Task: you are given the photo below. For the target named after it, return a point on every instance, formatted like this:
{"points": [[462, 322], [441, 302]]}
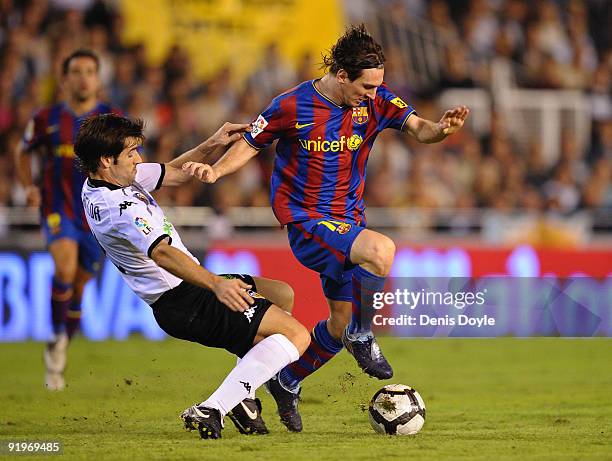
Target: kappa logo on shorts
{"points": [[336, 226], [250, 312]]}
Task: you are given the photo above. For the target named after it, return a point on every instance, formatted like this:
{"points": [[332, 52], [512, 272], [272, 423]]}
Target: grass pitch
{"points": [[505, 398]]}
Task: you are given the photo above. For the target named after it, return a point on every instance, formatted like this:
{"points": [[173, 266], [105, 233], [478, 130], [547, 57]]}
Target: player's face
{"points": [[124, 170], [82, 81], [363, 87]]}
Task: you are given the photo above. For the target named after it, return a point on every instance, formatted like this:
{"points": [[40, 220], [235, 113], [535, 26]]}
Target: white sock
{"points": [[252, 393], [260, 364]]}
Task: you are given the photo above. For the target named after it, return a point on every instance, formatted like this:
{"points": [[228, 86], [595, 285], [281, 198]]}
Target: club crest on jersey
{"points": [[53, 221], [258, 126], [143, 225], [343, 228], [142, 197], [354, 142], [360, 115], [336, 226], [254, 294], [397, 101]]}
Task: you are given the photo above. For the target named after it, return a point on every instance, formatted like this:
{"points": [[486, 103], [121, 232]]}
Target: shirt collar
{"points": [[101, 183]]}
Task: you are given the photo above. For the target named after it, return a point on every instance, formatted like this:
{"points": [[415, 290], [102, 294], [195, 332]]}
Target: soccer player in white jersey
{"points": [[239, 313]]}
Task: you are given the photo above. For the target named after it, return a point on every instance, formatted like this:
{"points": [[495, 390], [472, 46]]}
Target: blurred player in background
{"points": [[325, 130], [50, 133], [188, 301]]}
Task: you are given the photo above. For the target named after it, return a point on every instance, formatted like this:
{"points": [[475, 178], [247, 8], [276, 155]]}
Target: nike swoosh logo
{"points": [[303, 125], [199, 413], [250, 414]]}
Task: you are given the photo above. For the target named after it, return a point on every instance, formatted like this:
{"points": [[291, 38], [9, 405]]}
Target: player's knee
{"points": [[299, 336], [287, 296], [65, 274], [380, 255]]}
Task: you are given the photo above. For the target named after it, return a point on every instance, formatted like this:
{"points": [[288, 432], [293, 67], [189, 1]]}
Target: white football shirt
{"points": [[128, 223]]}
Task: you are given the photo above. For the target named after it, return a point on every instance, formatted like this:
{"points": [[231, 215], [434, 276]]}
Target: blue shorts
{"points": [[55, 227], [324, 245]]}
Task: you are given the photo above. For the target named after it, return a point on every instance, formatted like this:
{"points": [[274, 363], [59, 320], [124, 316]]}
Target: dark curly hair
{"points": [[354, 51], [104, 136]]}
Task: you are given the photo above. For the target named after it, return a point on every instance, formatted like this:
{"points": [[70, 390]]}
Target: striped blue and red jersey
{"points": [[322, 150], [52, 132]]}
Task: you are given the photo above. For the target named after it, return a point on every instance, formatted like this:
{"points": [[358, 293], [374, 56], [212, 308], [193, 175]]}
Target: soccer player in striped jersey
{"points": [[325, 130], [51, 133]]}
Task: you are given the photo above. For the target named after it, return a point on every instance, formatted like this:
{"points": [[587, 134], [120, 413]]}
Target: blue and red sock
{"points": [[323, 347], [73, 319], [61, 300], [365, 284]]}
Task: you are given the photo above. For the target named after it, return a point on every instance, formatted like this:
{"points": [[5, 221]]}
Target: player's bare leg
{"points": [[65, 258], [373, 253], [278, 292]]}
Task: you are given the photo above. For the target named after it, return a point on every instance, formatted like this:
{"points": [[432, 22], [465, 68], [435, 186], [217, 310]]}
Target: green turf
{"points": [[486, 399]]}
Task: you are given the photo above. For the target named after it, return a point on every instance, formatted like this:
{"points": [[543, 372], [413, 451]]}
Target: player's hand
{"points": [[453, 119], [232, 293], [33, 196], [202, 171], [228, 133]]}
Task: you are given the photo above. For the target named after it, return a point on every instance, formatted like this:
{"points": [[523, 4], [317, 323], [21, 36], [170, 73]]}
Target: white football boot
{"points": [[55, 362]]}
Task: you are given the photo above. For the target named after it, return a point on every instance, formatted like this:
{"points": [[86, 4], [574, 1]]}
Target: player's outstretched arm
{"points": [[24, 175], [235, 157], [224, 136], [231, 292], [426, 131]]}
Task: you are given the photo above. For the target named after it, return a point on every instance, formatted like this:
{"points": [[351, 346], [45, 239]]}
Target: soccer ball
{"points": [[397, 409]]}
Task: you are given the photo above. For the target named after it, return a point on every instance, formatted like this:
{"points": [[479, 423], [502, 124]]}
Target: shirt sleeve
{"points": [[267, 127], [134, 223], [150, 175], [392, 111], [34, 133]]}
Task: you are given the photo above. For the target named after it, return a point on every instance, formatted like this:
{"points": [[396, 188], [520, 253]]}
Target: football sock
{"points": [[258, 365], [323, 346], [61, 299], [73, 320], [365, 284], [252, 393]]}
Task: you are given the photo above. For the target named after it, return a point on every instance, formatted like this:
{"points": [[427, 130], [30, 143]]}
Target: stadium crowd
{"points": [[562, 44]]}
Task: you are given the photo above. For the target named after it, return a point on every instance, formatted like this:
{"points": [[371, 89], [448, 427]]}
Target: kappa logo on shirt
{"points": [[258, 126], [124, 206]]}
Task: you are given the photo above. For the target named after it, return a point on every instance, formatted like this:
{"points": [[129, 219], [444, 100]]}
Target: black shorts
{"points": [[195, 314]]}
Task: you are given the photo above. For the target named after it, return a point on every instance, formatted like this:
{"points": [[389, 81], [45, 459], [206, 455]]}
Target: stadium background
{"points": [[524, 190]]}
